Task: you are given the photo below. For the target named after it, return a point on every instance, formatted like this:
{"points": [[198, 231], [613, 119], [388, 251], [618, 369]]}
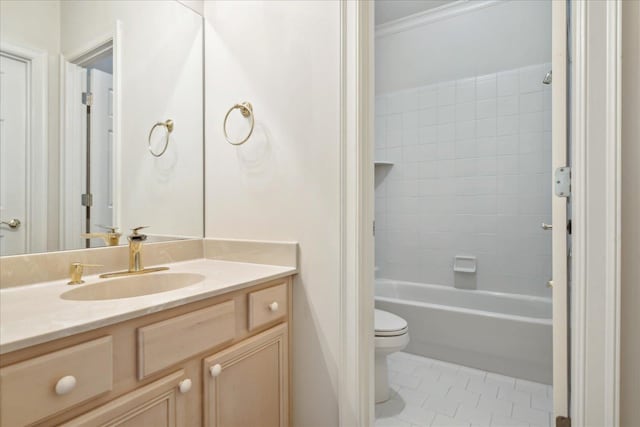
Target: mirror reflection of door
{"points": [[89, 98], [14, 103]]}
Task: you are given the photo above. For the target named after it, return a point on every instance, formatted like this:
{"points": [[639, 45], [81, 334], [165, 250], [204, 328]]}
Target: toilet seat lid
{"points": [[388, 324]]}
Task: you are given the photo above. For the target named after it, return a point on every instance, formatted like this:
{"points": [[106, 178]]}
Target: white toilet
{"points": [[392, 334]]}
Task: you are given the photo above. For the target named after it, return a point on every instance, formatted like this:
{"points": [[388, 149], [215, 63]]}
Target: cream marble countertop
{"points": [[35, 314]]}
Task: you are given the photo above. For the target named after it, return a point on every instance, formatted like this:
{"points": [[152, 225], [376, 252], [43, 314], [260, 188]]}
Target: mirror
{"points": [[83, 84]]}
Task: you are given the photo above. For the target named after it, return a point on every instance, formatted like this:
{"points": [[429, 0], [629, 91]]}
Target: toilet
{"points": [[391, 335]]}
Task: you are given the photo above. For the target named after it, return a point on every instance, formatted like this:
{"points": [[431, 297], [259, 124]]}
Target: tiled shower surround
{"points": [[471, 175]]}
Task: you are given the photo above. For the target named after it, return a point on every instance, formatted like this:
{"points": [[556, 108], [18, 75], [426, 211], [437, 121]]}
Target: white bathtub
{"points": [[505, 333]]}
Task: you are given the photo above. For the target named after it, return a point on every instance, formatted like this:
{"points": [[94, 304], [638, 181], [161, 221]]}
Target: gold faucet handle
{"points": [[109, 228], [76, 270], [135, 236]]}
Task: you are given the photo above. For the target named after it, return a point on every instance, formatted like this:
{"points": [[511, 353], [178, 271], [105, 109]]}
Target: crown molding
{"points": [[432, 15]]}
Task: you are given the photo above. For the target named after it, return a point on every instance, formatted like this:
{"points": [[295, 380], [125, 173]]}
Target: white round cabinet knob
{"points": [[215, 370], [65, 385], [185, 385], [273, 306]]}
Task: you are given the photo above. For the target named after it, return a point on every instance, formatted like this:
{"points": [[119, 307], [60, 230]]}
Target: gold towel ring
{"points": [[246, 109], [167, 124]]}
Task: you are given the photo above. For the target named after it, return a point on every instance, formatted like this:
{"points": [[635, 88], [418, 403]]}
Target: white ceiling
{"points": [[390, 10]]}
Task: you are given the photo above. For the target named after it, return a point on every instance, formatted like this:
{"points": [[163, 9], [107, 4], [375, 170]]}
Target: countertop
{"points": [[35, 314]]}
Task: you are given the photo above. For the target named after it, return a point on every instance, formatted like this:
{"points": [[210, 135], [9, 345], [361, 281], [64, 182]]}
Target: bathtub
{"points": [[508, 334]]}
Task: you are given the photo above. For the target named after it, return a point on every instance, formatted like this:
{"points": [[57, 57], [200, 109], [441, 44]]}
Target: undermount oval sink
{"points": [[133, 286]]}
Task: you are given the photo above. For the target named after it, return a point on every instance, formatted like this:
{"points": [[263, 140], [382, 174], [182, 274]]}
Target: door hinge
{"points": [[374, 228], [87, 199], [563, 421], [562, 181], [87, 98]]}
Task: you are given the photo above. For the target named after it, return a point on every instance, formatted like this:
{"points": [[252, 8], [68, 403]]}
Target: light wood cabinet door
{"points": [[159, 404], [247, 385]]}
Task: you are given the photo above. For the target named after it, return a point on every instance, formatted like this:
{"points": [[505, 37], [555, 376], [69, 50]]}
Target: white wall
{"points": [[471, 155], [36, 25], [630, 318], [506, 35], [161, 79], [283, 57]]}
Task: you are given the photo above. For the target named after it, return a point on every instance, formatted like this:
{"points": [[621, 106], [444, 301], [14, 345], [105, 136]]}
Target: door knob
{"points": [[215, 370], [65, 385], [546, 226], [185, 385], [13, 223]]}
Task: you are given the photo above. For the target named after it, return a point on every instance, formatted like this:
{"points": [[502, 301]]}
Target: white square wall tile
{"points": [[486, 146], [465, 90], [446, 114], [508, 83], [410, 120], [530, 78], [486, 108], [532, 122], [446, 132], [446, 93], [465, 130], [466, 167], [508, 105], [507, 125], [531, 102], [428, 134], [486, 87], [428, 97], [465, 112], [486, 127], [428, 117]]}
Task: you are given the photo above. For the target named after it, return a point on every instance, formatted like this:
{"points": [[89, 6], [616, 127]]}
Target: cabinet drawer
{"points": [[267, 305], [166, 343], [42, 386]]}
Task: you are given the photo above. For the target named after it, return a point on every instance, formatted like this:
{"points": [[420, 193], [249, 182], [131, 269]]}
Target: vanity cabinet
{"points": [[247, 384], [221, 361]]}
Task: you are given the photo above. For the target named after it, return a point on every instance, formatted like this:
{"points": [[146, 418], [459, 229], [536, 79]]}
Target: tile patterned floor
{"points": [[427, 392]]}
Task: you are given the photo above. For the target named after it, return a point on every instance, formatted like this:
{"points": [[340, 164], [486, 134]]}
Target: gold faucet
{"points": [[76, 270], [111, 238], [135, 256]]}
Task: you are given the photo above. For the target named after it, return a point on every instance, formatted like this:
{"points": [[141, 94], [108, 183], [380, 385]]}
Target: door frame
{"points": [[68, 160], [596, 190], [595, 151], [37, 152]]}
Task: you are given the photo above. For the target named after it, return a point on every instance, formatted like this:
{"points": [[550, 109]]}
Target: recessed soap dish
{"points": [[464, 264]]}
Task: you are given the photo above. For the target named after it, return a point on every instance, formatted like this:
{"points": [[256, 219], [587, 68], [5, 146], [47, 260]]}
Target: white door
{"points": [[559, 212], [73, 152], [14, 108], [101, 149]]}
